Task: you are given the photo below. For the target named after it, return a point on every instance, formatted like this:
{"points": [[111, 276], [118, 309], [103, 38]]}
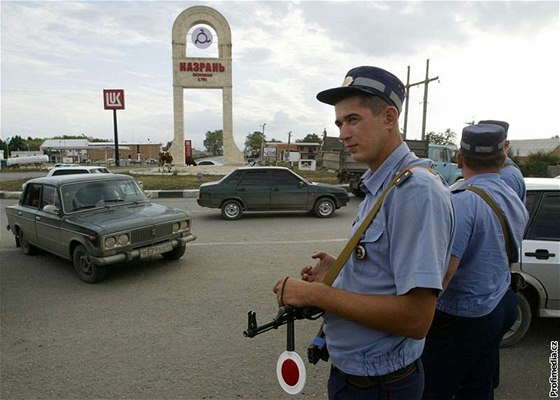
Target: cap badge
{"points": [[348, 81]]}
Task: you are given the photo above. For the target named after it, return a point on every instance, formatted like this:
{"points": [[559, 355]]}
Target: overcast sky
{"points": [[494, 60]]}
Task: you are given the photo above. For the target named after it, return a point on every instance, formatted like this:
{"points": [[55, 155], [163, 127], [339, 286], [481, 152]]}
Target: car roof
{"points": [[86, 167], [263, 168], [542, 184], [77, 178]]}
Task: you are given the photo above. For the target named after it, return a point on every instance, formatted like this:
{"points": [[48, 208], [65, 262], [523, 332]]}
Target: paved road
{"points": [[173, 330]]}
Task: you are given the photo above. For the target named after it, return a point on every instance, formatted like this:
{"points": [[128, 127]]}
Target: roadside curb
{"points": [[9, 195], [166, 194]]}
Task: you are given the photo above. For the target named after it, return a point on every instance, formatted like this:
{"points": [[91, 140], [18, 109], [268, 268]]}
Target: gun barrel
{"points": [[285, 315]]}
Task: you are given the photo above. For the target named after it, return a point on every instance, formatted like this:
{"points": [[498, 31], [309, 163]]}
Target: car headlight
{"points": [[110, 242], [180, 226], [123, 239]]}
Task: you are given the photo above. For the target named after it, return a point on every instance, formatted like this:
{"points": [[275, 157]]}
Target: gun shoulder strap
{"points": [[498, 213], [335, 269]]}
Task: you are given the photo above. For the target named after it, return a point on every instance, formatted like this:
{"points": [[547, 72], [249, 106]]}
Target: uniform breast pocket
{"points": [[369, 252]]}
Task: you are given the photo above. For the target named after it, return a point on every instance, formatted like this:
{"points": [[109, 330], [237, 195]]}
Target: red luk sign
{"points": [[113, 99]]}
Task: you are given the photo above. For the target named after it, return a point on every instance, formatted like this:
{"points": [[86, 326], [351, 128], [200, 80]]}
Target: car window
{"points": [[532, 201], [254, 178], [32, 197], [283, 178], [546, 222], [86, 195], [69, 171], [49, 193], [233, 178]]}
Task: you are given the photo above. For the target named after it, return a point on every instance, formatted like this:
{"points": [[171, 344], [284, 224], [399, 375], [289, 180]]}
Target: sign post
{"points": [[113, 99]]}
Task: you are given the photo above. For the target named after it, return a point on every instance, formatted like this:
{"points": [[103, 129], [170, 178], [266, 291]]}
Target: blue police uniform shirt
{"points": [[511, 174], [407, 245], [483, 275]]}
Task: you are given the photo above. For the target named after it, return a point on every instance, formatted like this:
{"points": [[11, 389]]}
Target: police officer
{"points": [[510, 172], [380, 307], [477, 305]]}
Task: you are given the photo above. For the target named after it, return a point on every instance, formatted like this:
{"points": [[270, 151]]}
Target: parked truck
{"points": [[336, 158]]}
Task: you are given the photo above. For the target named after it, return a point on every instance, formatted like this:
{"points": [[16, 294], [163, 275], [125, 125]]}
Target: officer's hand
{"points": [[318, 272], [291, 292]]}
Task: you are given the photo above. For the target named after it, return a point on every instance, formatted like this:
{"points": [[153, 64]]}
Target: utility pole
{"points": [[263, 142], [425, 82], [289, 136], [406, 101]]}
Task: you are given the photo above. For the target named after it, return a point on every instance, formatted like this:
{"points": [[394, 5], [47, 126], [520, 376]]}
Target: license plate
{"points": [[158, 249]]}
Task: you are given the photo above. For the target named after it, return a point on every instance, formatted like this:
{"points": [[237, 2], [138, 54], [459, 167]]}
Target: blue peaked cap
{"points": [[483, 140], [368, 80], [503, 124]]}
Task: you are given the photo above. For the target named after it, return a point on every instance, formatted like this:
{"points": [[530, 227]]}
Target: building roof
{"points": [[522, 148], [84, 144], [64, 144]]}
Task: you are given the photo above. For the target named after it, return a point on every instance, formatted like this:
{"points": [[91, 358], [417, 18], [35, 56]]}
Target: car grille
{"points": [[151, 233]]}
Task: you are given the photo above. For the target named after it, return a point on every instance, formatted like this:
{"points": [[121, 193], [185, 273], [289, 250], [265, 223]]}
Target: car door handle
{"points": [[37, 218], [541, 254], [275, 189]]}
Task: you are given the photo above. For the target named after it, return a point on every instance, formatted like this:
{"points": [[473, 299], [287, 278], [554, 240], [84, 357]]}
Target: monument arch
{"points": [[202, 73]]}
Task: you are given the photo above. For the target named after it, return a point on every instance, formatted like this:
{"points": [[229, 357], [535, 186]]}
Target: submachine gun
{"points": [[287, 316]]}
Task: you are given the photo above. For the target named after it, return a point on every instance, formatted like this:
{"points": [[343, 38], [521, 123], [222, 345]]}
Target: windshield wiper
{"points": [[84, 207]]}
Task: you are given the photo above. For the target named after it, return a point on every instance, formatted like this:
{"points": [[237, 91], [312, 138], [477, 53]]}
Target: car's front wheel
{"points": [[26, 247], [85, 269], [175, 254], [231, 209], [324, 208], [521, 324]]}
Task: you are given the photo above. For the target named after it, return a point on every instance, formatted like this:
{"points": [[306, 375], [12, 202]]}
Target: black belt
{"points": [[364, 382]]}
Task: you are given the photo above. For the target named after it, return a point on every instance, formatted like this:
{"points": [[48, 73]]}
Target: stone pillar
{"points": [[177, 150]]}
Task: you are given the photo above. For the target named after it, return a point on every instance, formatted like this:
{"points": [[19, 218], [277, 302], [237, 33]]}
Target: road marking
{"points": [[280, 242], [269, 242]]}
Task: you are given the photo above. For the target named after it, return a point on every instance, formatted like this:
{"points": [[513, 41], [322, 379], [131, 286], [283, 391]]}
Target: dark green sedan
{"points": [[96, 220], [270, 189]]}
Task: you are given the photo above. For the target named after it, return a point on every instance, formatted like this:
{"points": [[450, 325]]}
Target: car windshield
{"points": [[94, 194]]}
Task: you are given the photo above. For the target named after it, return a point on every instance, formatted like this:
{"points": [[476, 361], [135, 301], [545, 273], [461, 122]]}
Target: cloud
{"points": [[492, 59]]}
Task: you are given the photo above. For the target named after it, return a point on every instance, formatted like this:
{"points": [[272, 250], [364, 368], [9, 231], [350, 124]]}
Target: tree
{"points": [[537, 164], [214, 142], [311, 138], [447, 137], [253, 141], [17, 143], [4, 146]]}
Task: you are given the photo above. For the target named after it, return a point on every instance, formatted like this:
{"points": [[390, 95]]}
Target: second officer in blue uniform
{"points": [[477, 305]]}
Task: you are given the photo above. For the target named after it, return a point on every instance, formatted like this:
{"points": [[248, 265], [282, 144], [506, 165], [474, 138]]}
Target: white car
{"points": [[539, 258], [78, 169], [208, 162]]}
